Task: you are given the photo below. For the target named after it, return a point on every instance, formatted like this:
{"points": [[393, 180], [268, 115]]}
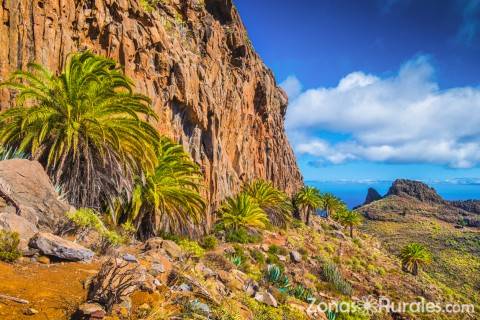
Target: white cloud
{"points": [[404, 118], [292, 87]]}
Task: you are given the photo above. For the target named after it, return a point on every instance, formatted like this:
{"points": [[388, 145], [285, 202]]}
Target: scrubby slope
{"points": [[399, 220], [224, 279]]}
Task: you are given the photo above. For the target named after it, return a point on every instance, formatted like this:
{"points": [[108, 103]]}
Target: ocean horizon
{"points": [[354, 192]]}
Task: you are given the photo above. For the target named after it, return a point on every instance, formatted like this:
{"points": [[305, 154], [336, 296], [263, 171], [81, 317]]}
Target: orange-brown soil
{"points": [[54, 290]]}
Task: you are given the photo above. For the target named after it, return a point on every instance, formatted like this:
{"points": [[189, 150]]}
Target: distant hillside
{"points": [[405, 195], [411, 211]]}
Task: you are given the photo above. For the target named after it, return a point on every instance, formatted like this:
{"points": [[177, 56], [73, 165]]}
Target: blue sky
{"points": [[379, 89]]}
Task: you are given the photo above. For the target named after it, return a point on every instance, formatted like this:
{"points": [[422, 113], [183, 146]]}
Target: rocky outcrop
{"points": [[407, 197], [28, 200], [414, 189], [372, 195], [210, 89]]}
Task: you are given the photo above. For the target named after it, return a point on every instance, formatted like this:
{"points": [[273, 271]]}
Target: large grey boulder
{"points": [[26, 190], [52, 245]]}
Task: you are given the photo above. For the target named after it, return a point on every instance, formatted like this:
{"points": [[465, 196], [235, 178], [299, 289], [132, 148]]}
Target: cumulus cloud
{"points": [[292, 86], [405, 118]]}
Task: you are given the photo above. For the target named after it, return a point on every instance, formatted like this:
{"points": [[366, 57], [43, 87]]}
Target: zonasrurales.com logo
{"points": [[372, 304]]}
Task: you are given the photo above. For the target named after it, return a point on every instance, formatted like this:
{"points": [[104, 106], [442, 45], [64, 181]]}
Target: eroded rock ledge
{"points": [[210, 89]]}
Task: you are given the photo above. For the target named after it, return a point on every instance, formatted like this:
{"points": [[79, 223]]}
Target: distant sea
{"points": [[353, 192]]}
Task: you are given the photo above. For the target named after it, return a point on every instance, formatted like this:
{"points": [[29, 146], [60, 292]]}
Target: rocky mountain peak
{"points": [[372, 195], [414, 189]]}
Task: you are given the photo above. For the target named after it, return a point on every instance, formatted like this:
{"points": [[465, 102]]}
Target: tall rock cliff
{"points": [[212, 92]]}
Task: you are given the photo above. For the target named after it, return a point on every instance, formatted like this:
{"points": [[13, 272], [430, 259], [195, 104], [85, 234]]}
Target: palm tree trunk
{"points": [[308, 217], [351, 231], [415, 269]]}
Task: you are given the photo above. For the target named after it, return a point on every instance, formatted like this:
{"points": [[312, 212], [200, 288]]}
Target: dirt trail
{"points": [[54, 290]]}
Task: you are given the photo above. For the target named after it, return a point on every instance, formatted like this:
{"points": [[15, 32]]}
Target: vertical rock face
{"points": [[210, 89]]}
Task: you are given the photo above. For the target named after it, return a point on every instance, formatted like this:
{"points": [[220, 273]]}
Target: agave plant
{"points": [[302, 293], [308, 199], [273, 273], [274, 202], [236, 260], [242, 211], [331, 315], [85, 126], [413, 256], [168, 199]]}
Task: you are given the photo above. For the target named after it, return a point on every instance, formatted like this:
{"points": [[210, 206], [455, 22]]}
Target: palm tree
{"points": [[85, 126], [332, 204], [242, 211], [168, 199], [273, 201], [308, 199], [350, 219], [413, 256]]}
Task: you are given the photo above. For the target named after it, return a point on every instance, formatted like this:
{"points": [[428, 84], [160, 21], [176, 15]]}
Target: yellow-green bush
{"points": [[192, 248], [9, 242]]}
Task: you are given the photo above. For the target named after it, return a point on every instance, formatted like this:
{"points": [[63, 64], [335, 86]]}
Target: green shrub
{"points": [[298, 224], [273, 259], [85, 218], [170, 236], [88, 219], [258, 256], [302, 293], [112, 239], [242, 236], [332, 275], [302, 251], [9, 242], [209, 242], [274, 249], [192, 248]]}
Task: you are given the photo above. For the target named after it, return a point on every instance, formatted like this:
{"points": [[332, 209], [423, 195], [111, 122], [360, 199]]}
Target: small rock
{"points": [[156, 269], [43, 260], [296, 256], [92, 311], [266, 298], [129, 257], [172, 249], [153, 244], [264, 247], [184, 287], [30, 252], [30, 312], [251, 288], [157, 283], [202, 307], [282, 258]]}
